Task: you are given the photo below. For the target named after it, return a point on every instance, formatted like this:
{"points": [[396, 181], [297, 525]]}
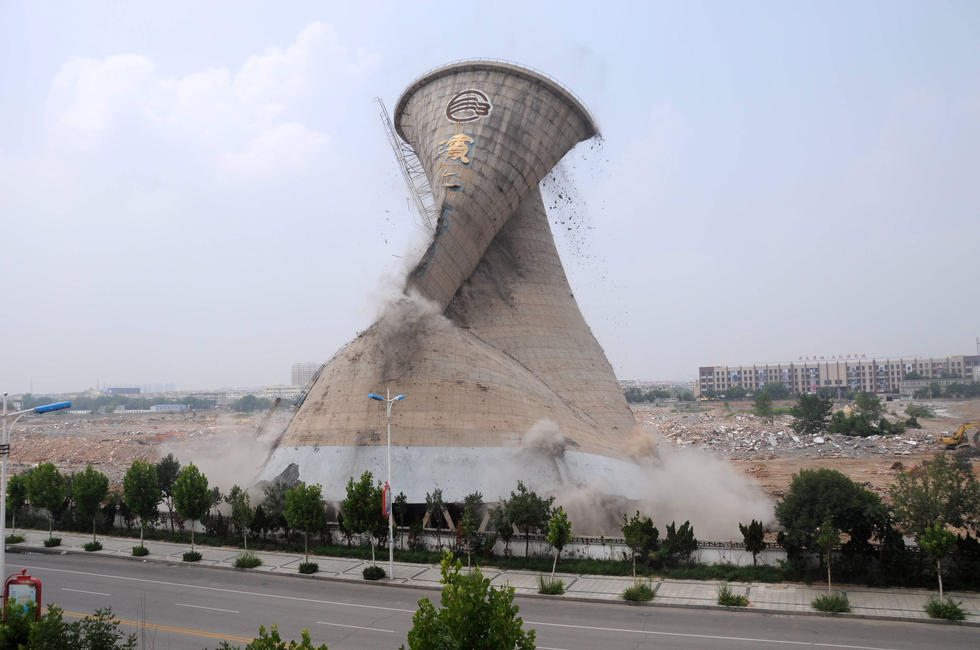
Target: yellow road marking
{"points": [[170, 628]]}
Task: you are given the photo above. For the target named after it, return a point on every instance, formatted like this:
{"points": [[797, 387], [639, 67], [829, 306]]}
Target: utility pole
{"points": [[388, 509], [9, 419]]}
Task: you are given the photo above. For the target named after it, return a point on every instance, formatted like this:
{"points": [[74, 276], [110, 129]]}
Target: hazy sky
{"points": [[202, 193]]}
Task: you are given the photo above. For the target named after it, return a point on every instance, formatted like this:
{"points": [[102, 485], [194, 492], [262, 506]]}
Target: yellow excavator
{"points": [[960, 437]]}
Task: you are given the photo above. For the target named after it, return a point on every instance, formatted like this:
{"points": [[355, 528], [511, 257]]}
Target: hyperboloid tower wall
{"points": [[503, 378]]}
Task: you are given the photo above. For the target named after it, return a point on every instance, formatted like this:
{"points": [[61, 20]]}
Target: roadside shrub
{"points": [[308, 567], [52, 542], [14, 539], [551, 587], [638, 591], [729, 599], [192, 556], [93, 546], [140, 551], [247, 561], [946, 608], [373, 573], [831, 603]]}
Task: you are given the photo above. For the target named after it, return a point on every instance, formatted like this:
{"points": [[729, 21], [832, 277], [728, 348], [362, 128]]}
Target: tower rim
{"points": [[494, 65]]}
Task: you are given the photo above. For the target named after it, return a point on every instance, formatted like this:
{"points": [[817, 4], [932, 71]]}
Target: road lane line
{"points": [[707, 636], [169, 628], [356, 627], [82, 591], [221, 590], [213, 609]]}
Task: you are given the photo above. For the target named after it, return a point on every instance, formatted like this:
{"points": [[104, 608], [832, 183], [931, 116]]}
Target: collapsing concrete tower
{"points": [[502, 376]]}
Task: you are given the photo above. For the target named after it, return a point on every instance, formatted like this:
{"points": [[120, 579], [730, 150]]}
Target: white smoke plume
{"points": [[544, 435], [236, 453], [668, 485]]}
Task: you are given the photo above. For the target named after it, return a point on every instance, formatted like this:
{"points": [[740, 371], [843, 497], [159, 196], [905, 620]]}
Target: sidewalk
{"points": [[782, 598]]}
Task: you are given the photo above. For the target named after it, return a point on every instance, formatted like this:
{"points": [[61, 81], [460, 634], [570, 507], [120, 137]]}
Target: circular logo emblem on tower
{"points": [[468, 105]]}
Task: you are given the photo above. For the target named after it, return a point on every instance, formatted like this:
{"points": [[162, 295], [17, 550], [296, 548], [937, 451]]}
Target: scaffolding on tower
{"points": [[413, 173]]}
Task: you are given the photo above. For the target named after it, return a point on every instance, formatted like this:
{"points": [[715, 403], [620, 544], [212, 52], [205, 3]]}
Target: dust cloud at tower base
{"points": [[503, 379]]}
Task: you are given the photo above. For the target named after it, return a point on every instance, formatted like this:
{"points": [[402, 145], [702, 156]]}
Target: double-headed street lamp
{"points": [[389, 401], [9, 419]]}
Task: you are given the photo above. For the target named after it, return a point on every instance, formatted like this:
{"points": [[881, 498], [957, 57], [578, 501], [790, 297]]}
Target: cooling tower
{"points": [[503, 380]]}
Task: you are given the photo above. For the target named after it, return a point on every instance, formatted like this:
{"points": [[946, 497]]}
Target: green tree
{"points": [[215, 498], [816, 493], [304, 510], [434, 506], [16, 497], [810, 414], [272, 641], [250, 403], [260, 522], [559, 534], [141, 493], [763, 406], [736, 392], [679, 544], [869, 406], [274, 502], [828, 536], [399, 508], [529, 512], [242, 512], [46, 489], [943, 490], [753, 538], [362, 509], [640, 535], [503, 526], [89, 489], [776, 390], [469, 522], [168, 469], [192, 498], [938, 542], [99, 631], [474, 615]]}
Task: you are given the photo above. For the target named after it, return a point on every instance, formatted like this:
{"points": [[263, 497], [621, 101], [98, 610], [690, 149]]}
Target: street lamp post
{"points": [[388, 402], [9, 420]]}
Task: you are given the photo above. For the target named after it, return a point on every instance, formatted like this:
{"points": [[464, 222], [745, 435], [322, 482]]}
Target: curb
{"points": [[19, 549]]}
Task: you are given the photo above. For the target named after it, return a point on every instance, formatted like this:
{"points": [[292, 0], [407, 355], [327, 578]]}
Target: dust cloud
{"points": [[401, 329], [665, 483], [237, 455]]}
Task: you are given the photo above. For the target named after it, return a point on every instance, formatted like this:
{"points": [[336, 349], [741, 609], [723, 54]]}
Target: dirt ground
{"points": [[112, 442], [768, 453]]}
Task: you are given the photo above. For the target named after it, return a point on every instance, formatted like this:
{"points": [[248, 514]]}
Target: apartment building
{"points": [[858, 373]]}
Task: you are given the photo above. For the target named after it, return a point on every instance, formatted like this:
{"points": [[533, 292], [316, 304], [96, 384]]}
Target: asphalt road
{"points": [[183, 606]]}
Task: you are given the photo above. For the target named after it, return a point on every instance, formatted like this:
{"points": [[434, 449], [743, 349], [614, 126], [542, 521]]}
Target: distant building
{"points": [[859, 374], [284, 391], [909, 386], [123, 390], [304, 372]]}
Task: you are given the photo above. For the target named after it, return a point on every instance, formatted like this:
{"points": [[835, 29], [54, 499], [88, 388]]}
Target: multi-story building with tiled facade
{"points": [[807, 375]]}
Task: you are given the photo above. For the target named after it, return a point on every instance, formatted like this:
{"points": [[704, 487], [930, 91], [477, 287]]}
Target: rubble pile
{"points": [[744, 436]]}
